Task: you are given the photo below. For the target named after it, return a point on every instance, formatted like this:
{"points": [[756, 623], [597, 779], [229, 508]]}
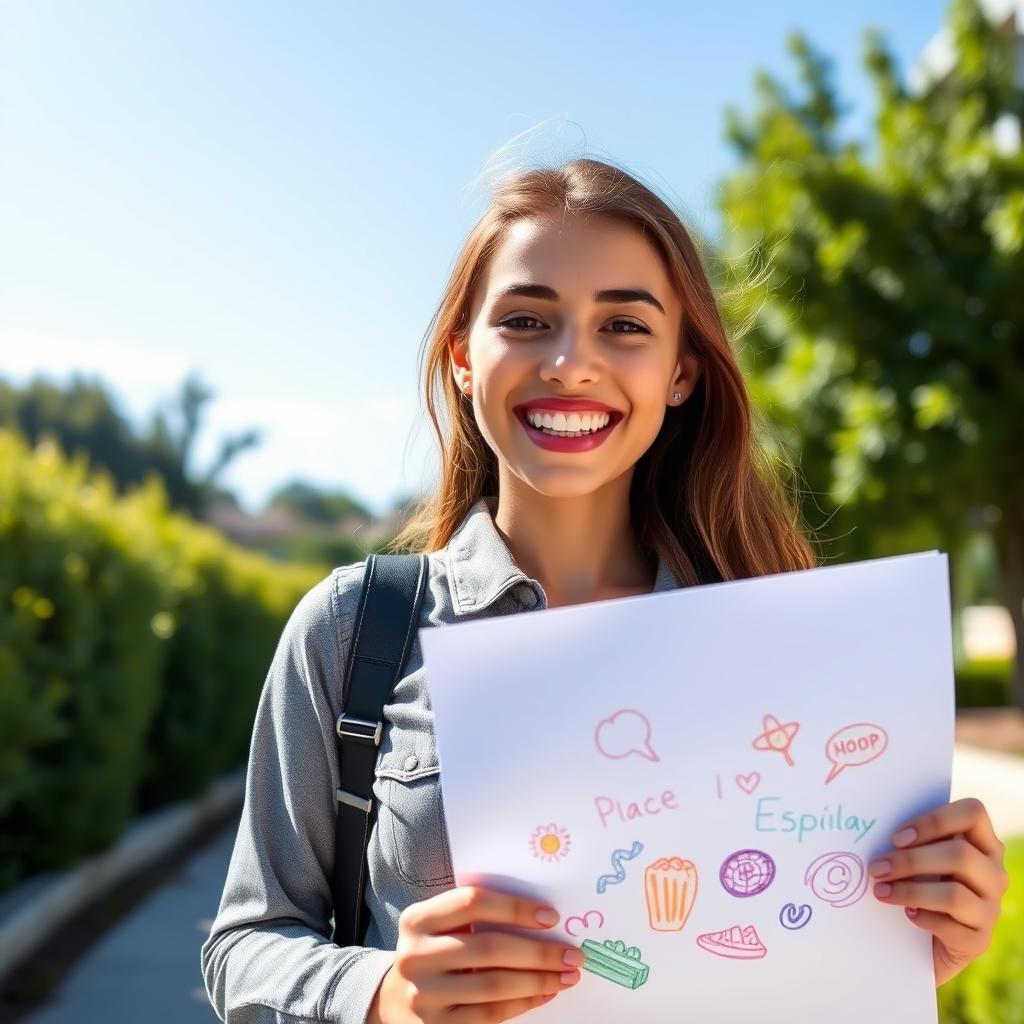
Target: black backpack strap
{"points": [[386, 624]]}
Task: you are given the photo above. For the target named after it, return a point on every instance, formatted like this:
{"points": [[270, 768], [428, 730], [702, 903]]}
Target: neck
{"points": [[581, 548]]}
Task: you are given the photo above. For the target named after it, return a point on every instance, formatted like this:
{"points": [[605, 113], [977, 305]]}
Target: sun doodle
{"points": [[550, 842]]}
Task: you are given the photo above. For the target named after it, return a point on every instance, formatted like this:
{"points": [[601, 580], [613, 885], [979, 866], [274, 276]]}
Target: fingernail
{"points": [[570, 977], [574, 957], [880, 867], [883, 889], [910, 911], [548, 915], [904, 837]]}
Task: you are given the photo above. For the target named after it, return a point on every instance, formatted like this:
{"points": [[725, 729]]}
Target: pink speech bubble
{"points": [[853, 745], [624, 733]]}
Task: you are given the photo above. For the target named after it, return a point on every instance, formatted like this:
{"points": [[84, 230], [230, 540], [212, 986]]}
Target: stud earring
{"points": [[677, 396], [465, 385]]}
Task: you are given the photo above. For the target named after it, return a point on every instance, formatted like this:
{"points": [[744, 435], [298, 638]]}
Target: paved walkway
{"points": [[998, 780], [147, 966]]}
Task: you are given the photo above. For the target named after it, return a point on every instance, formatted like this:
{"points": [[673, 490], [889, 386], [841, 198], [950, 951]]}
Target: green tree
{"points": [[883, 301], [84, 418]]}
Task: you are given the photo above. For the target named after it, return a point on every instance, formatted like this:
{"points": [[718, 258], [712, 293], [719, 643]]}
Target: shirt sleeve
{"points": [[269, 956]]}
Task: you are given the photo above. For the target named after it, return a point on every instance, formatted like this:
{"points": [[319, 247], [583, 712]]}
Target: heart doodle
{"points": [[748, 783], [793, 917], [584, 921]]}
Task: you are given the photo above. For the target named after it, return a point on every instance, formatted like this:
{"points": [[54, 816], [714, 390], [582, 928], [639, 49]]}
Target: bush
{"points": [[133, 646], [984, 684], [991, 990]]}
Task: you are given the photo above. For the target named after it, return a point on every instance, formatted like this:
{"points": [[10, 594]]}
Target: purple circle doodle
{"points": [[838, 878], [793, 917], [747, 872]]}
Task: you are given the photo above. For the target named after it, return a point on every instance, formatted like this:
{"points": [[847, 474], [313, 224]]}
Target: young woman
{"points": [[598, 445]]}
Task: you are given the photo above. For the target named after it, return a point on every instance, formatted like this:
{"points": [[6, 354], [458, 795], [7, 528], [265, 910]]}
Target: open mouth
{"points": [[613, 419]]}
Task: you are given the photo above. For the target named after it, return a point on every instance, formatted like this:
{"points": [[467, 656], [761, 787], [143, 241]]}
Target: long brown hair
{"points": [[705, 495]]}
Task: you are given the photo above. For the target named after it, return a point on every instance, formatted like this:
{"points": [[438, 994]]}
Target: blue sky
{"points": [[272, 195]]}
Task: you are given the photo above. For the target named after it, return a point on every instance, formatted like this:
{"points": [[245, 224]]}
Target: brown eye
{"points": [[512, 319], [629, 323]]}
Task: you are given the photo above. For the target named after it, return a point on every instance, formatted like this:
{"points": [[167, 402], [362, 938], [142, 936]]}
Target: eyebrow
{"points": [[616, 295]]}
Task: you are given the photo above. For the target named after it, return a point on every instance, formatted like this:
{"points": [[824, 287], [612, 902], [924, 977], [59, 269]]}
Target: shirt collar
{"points": [[481, 568]]}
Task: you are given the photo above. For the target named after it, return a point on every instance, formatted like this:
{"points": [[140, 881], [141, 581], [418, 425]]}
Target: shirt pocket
{"points": [[410, 818]]}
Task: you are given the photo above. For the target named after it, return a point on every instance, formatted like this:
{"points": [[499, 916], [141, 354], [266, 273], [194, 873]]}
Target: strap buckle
{"points": [[358, 802], [371, 730]]}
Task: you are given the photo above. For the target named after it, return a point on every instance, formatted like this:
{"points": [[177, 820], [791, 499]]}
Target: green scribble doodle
{"points": [[615, 961]]}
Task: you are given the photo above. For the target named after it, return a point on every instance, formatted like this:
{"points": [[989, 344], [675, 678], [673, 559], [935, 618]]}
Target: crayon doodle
{"points": [[620, 872], [793, 917], [735, 943], [584, 922], [748, 783], [837, 878], [854, 745], [777, 736], [615, 961], [623, 733], [550, 842], [747, 873], [670, 887]]}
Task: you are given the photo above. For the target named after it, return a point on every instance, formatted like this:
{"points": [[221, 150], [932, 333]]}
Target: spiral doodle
{"points": [[793, 917], [620, 873], [747, 873], [838, 878]]}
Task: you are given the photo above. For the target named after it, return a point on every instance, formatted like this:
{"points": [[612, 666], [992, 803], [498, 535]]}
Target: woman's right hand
{"points": [[444, 971]]}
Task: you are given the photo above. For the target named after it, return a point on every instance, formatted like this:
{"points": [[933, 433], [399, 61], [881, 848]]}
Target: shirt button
{"points": [[410, 762]]}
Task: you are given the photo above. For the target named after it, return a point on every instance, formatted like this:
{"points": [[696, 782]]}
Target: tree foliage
{"points": [[883, 300]]}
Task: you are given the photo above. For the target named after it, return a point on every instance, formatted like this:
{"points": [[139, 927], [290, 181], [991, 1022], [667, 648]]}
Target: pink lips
{"points": [[567, 444]]}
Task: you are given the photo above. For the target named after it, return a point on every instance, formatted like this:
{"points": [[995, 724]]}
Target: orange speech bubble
{"points": [[854, 745]]}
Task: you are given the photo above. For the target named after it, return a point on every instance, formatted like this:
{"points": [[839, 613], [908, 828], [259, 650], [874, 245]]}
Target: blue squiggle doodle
{"points": [[620, 874]]}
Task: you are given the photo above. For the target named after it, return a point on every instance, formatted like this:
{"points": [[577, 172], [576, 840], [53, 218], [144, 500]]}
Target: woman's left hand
{"points": [[948, 873]]}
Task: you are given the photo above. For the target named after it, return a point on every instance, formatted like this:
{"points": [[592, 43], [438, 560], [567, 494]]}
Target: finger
{"points": [[506, 1009], [954, 936], [469, 904], [494, 985], [955, 857], [952, 898], [967, 817], [498, 949]]}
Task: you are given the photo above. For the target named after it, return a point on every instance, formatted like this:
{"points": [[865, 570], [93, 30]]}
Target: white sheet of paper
{"points": [[617, 759]]}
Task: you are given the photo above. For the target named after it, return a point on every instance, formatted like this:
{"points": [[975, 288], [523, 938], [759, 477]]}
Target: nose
{"points": [[570, 360]]}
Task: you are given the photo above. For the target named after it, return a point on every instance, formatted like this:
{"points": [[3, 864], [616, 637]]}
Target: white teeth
{"points": [[574, 423]]}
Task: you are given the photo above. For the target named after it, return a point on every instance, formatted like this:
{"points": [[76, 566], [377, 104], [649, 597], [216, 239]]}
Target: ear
{"points": [[688, 371], [458, 351]]}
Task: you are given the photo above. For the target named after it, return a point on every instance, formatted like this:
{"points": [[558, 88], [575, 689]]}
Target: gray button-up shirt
{"points": [[269, 956]]}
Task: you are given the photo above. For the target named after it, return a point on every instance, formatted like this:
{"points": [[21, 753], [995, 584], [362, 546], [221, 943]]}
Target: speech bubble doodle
{"points": [[838, 878], [748, 783], [624, 733], [854, 745], [584, 921], [793, 917]]}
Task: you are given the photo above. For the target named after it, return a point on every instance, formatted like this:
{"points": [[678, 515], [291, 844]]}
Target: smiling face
{"points": [[580, 309]]}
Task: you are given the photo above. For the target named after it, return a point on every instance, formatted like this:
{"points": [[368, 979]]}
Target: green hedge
{"points": [[133, 646], [991, 990], [984, 684]]}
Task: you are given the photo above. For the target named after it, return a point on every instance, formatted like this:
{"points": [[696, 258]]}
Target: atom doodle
{"points": [[620, 873], [747, 873], [837, 878], [777, 736]]}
